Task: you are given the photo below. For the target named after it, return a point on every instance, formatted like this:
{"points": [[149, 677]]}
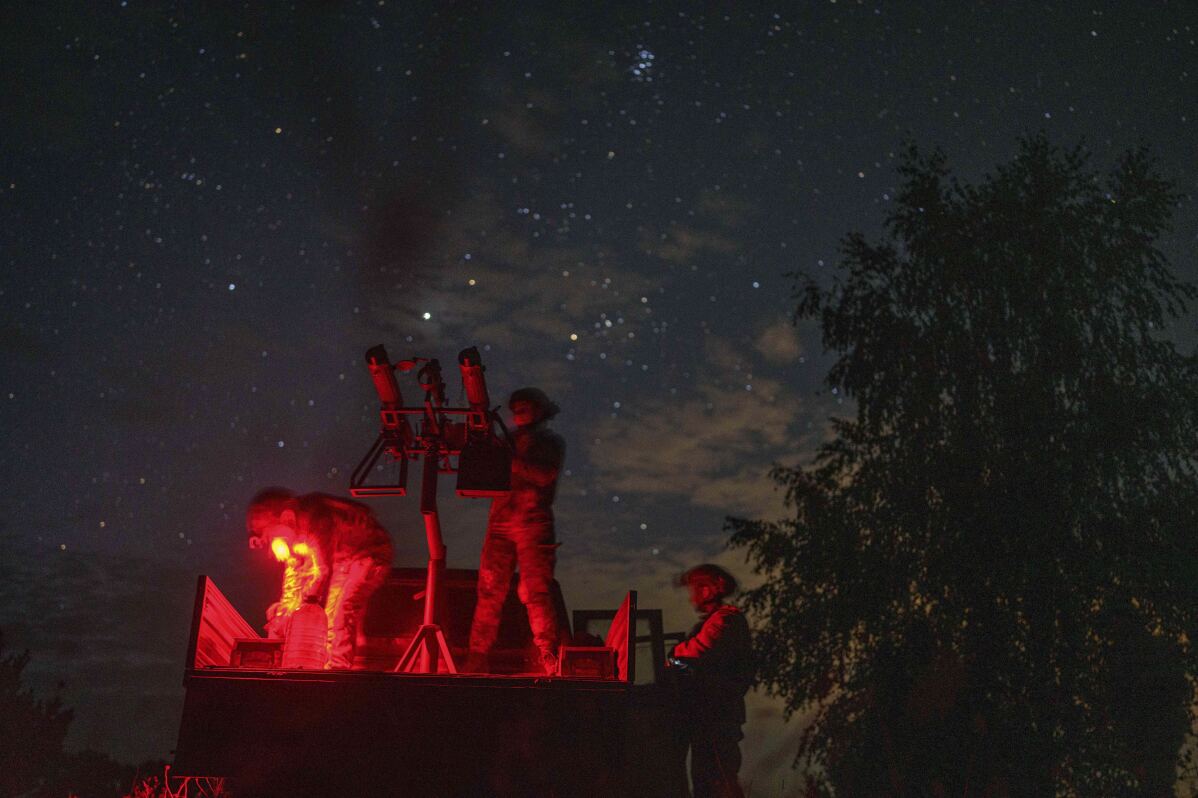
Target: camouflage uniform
{"points": [[352, 553], [520, 533], [360, 553], [718, 650]]}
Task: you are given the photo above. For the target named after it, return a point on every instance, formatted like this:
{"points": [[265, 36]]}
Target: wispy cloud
{"points": [[511, 291], [779, 343], [683, 244], [712, 445]]}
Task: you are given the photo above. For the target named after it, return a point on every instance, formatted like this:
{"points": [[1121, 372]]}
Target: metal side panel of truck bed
{"points": [[276, 732]]}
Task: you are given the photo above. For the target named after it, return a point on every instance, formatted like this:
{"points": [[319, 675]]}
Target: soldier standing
{"points": [[717, 658], [520, 533]]}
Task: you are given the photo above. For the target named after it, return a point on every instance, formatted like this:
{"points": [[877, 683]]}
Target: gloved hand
{"points": [[276, 621]]}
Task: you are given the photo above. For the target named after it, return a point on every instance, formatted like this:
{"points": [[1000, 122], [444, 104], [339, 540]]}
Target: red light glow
{"points": [[302, 574], [280, 549]]}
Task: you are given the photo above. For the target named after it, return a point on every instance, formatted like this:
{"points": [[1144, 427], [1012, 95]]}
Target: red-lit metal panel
{"points": [[215, 627]]}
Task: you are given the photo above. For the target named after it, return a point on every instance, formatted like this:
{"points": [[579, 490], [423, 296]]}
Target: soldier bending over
{"points": [[334, 549]]}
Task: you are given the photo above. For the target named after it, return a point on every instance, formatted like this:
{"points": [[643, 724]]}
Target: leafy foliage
{"points": [[990, 577], [33, 761], [32, 730]]}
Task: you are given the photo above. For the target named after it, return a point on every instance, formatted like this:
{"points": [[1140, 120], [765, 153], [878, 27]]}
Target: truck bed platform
{"points": [[281, 732]]}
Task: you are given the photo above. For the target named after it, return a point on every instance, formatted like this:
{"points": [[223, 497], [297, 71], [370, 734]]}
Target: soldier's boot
{"points": [[549, 662], [476, 662]]}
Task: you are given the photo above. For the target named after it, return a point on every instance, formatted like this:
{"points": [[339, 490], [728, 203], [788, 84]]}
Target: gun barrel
{"points": [[472, 369], [383, 375]]}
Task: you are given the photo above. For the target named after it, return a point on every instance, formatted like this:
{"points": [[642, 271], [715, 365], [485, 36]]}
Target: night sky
{"points": [[207, 216]]}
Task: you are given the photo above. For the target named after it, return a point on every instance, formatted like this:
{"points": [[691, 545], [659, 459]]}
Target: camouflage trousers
{"points": [[532, 547], [350, 586]]}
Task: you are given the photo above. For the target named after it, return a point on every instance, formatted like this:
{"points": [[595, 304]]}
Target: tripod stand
{"points": [[429, 642], [483, 468]]}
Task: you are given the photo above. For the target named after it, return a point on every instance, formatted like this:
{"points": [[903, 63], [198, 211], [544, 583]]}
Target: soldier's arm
{"points": [[305, 576], [541, 462], [708, 643], [292, 595]]}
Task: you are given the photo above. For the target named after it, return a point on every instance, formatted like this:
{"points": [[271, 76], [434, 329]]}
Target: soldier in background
{"points": [[520, 533], [718, 671], [334, 549]]}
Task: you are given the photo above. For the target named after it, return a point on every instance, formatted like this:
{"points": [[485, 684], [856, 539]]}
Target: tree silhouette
{"points": [[33, 762], [989, 580], [32, 730]]}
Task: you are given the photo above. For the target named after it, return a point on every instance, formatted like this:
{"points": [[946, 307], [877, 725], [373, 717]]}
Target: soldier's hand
{"points": [[276, 621], [277, 627]]}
